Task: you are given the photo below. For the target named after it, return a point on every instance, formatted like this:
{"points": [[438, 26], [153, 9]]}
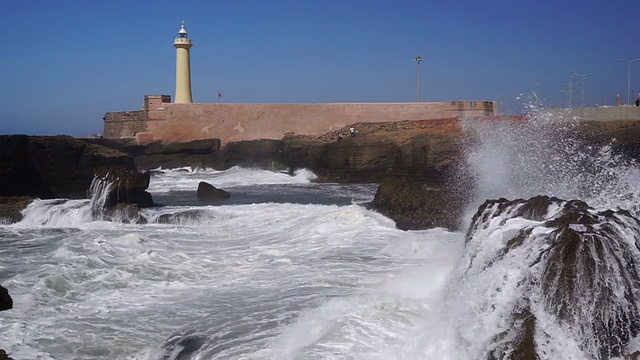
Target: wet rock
{"points": [[11, 208], [4, 356], [59, 167], [183, 217], [128, 186], [263, 153], [583, 273], [424, 151], [125, 213], [194, 154], [415, 206], [6, 302], [207, 191]]}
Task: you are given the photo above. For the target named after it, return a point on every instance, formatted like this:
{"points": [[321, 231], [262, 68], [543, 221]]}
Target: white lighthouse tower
{"points": [[183, 69]]}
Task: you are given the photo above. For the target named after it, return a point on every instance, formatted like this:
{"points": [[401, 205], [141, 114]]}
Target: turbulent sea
{"points": [[285, 268]]}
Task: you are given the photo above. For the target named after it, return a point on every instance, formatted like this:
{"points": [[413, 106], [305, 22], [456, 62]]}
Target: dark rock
{"points": [[415, 206], [4, 356], [11, 208], [6, 302], [183, 217], [209, 192], [128, 186], [265, 154], [422, 151], [586, 274], [125, 213], [195, 153], [63, 167]]}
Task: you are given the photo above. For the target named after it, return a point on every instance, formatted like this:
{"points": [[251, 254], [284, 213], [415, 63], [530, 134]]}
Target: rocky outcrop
{"points": [[11, 208], [570, 263], [63, 167], [6, 302], [4, 356], [415, 206], [128, 186], [205, 153], [196, 153], [207, 191], [265, 154], [427, 151]]}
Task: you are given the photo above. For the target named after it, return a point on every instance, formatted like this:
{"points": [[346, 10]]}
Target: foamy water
{"points": [[261, 280]]}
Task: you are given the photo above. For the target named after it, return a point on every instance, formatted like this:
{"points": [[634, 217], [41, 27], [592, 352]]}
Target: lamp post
{"points": [[582, 84], [628, 75], [570, 89], [418, 60], [565, 92]]}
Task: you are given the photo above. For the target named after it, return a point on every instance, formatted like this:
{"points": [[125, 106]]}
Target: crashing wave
{"points": [[558, 277]]}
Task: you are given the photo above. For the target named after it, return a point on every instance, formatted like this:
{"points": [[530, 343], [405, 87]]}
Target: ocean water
{"points": [[285, 268]]}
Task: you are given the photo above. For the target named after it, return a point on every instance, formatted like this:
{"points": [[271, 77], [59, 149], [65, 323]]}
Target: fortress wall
{"points": [[598, 113], [125, 124], [234, 122]]}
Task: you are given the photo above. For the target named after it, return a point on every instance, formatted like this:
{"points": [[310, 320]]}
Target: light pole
{"points": [[570, 89], [582, 84], [565, 92], [418, 60], [628, 75]]}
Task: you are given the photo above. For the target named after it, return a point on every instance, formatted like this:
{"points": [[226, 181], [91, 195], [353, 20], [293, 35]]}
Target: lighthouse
{"points": [[183, 70]]}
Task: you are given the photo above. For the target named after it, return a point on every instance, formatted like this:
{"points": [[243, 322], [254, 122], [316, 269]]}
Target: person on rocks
{"points": [[340, 137], [638, 100], [352, 131]]}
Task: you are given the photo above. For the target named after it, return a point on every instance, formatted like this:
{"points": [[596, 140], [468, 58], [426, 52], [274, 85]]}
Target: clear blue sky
{"points": [[65, 63]]}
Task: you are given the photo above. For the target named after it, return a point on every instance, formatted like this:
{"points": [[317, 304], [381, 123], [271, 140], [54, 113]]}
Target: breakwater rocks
{"points": [[48, 167]]}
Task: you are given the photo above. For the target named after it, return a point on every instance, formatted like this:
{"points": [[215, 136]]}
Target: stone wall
{"points": [[170, 122], [597, 113], [125, 124]]}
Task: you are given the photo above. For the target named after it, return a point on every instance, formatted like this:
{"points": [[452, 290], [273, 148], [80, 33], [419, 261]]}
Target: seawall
{"points": [[170, 122], [604, 113]]}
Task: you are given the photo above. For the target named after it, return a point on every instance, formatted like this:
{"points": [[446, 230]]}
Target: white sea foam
{"points": [[188, 179]]}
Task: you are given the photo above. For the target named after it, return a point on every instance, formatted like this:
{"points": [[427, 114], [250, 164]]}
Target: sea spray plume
{"points": [[520, 156], [559, 279], [543, 154]]}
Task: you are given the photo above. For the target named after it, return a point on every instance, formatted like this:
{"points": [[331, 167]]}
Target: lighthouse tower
{"points": [[183, 69]]}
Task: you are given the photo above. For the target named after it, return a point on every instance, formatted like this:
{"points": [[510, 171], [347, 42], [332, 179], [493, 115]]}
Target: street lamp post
{"points": [[418, 60], [582, 84], [570, 89], [628, 76]]}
